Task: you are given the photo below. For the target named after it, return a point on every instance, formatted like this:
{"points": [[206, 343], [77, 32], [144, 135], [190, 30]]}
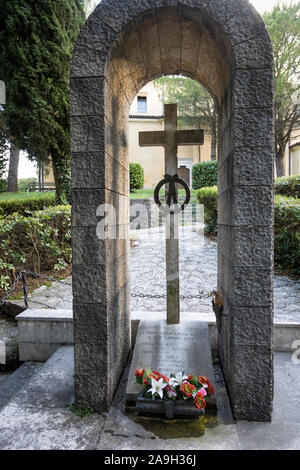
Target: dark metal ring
{"points": [[172, 179]]}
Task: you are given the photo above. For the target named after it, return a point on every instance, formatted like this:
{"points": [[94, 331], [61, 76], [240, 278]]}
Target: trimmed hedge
{"points": [[288, 186], [287, 234], [205, 174], [286, 227], [23, 206], [136, 173], [40, 242], [209, 198]]}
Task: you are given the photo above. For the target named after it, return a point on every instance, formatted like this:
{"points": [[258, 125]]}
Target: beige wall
{"points": [[292, 154], [49, 176], [154, 105]]}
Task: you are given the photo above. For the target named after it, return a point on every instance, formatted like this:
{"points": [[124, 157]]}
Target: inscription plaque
{"points": [[170, 349]]}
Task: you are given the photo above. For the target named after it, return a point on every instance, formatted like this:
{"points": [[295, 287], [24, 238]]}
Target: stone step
{"points": [[17, 381], [38, 417]]}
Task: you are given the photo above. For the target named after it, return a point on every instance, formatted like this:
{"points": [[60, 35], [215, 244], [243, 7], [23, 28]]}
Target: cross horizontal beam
{"points": [[159, 138]]}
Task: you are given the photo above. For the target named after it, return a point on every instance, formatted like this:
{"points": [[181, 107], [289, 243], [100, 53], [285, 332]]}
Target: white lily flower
{"points": [[157, 387], [181, 378], [173, 382]]}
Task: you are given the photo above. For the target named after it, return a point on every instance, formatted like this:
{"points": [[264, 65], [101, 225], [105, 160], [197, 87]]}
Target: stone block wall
{"points": [[225, 46]]}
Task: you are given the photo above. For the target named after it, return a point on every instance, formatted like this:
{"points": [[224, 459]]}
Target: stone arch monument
{"points": [[224, 45]]}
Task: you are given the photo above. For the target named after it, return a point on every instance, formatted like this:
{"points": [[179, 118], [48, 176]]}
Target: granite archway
{"points": [[225, 46]]}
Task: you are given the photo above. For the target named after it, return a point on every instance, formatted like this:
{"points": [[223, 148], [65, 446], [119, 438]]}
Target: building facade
{"points": [[292, 154], [146, 114]]}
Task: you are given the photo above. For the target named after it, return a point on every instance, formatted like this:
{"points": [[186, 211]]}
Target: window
{"points": [[141, 104]]}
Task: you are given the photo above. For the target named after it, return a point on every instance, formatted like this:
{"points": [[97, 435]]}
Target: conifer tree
{"points": [[36, 44]]}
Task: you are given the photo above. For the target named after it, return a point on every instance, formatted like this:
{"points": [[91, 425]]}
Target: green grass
{"points": [[6, 196], [82, 412], [148, 194]]}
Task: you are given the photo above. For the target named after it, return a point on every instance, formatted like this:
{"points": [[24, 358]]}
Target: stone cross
{"points": [[170, 138]]}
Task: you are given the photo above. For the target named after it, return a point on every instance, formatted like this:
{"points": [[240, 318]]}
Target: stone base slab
{"points": [[43, 331]]}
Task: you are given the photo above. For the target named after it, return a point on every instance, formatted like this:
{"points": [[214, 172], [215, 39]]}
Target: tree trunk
{"points": [[213, 152], [279, 159], [13, 168], [57, 178]]}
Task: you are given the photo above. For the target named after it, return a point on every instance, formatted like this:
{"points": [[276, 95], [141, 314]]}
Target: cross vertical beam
{"points": [[170, 138], [172, 238]]}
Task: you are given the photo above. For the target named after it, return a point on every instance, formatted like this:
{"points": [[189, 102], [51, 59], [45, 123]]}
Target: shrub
{"points": [[205, 174], [24, 183], [136, 172], [39, 242], [287, 234], [209, 198], [24, 206], [3, 185], [288, 186], [286, 230]]}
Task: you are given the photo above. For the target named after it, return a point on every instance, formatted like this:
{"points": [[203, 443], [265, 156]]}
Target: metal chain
{"points": [[22, 275], [11, 288], [201, 295], [41, 276]]}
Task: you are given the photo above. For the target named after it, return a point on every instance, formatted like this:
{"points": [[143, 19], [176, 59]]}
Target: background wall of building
{"points": [[152, 158], [292, 154]]}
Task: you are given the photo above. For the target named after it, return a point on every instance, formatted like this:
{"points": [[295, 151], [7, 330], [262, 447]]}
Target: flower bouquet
{"points": [[176, 396]]}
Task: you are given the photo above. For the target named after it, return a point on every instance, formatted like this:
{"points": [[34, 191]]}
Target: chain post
{"points": [[25, 289]]}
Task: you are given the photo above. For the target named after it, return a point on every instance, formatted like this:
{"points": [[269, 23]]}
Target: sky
{"points": [[260, 5], [266, 5], [27, 169]]}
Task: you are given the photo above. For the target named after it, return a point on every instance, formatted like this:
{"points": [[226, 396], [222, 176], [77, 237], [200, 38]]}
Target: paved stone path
{"points": [[198, 261]]}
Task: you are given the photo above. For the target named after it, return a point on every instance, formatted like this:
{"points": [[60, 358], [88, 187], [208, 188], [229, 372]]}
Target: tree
{"points": [[283, 24], [3, 158], [195, 105], [36, 43], [12, 180]]}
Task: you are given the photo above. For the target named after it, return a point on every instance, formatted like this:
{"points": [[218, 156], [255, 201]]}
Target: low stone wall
{"points": [[8, 342], [43, 331]]}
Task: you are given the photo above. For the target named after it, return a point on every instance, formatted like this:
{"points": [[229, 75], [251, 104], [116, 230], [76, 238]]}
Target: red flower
{"points": [[154, 375], [139, 372], [205, 381], [187, 389], [190, 377], [162, 376], [199, 401]]}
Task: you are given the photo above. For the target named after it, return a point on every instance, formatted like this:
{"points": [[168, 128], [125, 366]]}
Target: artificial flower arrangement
{"points": [[176, 387]]}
